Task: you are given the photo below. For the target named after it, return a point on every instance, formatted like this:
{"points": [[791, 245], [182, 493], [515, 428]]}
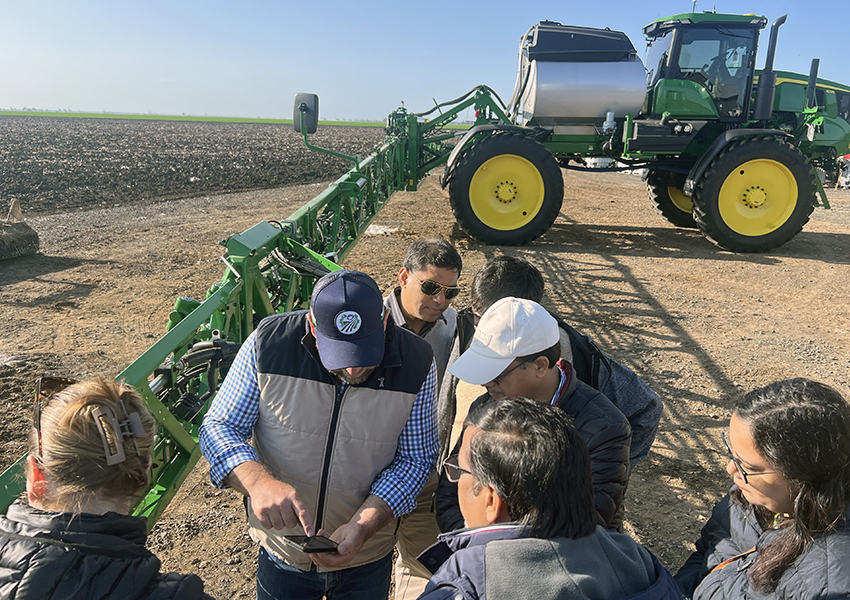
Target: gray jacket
{"points": [[500, 562], [821, 572], [440, 334]]}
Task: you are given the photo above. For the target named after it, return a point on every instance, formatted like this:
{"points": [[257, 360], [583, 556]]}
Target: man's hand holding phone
{"points": [[311, 544]]}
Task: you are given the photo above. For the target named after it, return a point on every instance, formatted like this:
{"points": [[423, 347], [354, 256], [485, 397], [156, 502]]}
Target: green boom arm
{"points": [[270, 268]]}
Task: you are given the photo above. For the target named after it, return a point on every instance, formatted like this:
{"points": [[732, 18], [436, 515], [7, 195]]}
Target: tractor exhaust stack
{"points": [[767, 80]]}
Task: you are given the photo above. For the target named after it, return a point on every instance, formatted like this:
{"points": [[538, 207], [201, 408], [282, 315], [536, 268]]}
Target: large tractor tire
{"points": [[755, 195], [507, 190], [666, 195]]}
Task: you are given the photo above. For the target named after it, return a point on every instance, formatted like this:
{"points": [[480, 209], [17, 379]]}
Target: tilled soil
{"points": [[58, 163], [699, 324]]}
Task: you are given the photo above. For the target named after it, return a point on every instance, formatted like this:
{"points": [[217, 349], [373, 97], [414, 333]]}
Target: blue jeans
{"points": [[276, 580]]}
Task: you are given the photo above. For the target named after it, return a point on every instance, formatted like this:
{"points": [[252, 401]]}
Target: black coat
{"points": [[822, 571], [50, 555], [605, 431]]}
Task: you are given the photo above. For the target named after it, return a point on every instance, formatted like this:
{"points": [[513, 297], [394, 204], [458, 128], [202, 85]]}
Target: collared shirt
{"points": [[231, 419], [439, 334], [557, 397]]}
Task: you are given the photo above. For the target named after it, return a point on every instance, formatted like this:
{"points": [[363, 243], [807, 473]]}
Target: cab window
{"points": [[719, 59]]}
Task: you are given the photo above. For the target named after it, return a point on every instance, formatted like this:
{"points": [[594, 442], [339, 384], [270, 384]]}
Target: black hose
{"points": [[461, 99]]}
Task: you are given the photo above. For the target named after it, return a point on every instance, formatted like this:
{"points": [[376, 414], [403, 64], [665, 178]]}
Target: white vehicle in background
{"points": [[843, 182]]}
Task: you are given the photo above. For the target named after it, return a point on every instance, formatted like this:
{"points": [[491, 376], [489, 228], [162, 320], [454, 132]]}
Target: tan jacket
{"points": [[331, 445]]}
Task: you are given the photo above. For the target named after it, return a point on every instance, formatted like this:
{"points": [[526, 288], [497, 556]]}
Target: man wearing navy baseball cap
{"points": [[339, 410]]}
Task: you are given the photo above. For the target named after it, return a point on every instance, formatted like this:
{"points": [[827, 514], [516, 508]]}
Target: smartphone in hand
{"points": [[310, 544]]}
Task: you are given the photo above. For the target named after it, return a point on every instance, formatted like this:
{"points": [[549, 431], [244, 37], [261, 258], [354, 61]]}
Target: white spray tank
{"points": [[571, 75]]}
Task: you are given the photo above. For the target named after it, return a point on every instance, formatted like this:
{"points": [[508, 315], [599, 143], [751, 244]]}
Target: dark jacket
{"points": [[622, 386], [605, 431], [822, 571], [501, 562], [49, 555]]}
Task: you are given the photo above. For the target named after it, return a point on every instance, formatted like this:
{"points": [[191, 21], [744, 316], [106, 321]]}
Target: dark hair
{"points": [[802, 428], [537, 463], [502, 277], [552, 354], [433, 251]]}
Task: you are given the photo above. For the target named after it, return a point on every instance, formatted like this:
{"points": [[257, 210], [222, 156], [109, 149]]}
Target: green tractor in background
{"points": [[728, 149]]}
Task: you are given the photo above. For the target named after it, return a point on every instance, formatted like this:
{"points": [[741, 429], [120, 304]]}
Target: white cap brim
{"points": [[477, 369]]}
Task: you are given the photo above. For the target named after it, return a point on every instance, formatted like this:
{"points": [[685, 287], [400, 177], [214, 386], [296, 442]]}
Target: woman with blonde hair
{"points": [[784, 529], [89, 459]]}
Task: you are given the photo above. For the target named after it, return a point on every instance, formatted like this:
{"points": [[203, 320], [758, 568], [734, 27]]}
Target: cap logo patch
{"points": [[348, 322]]}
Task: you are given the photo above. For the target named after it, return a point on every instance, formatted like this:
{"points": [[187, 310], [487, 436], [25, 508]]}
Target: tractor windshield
{"points": [[657, 53], [721, 60]]}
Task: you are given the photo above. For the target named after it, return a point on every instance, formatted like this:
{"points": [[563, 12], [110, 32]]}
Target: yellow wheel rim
{"points": [[679, 199], [506, 192], [758, 197]]}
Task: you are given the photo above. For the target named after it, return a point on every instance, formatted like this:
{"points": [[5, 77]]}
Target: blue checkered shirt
{"points": [[230, 422]]}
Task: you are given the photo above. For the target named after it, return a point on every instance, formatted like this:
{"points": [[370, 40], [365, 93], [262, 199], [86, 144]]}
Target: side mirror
{"points": [[306, 112]]}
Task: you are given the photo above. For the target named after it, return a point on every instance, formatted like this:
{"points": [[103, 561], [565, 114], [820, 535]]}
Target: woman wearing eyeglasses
{"points": [[783, 530], [90, 454]]}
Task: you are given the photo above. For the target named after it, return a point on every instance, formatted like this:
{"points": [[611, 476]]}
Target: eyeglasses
{"points": [[738, 465], [432, 288], [453, 469], [45, 389], [498, 380]]}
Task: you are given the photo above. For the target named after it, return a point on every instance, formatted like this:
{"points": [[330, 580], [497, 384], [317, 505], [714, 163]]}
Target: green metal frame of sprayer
{"points": [[270, 268]]}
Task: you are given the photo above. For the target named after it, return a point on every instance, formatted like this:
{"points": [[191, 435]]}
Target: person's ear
{"points": [[386, 318], [36, 483], [403, 277], [495, 508], [541, 366]]}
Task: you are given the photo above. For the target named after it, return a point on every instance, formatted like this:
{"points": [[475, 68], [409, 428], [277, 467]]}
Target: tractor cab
{"points": [[700, 65]]}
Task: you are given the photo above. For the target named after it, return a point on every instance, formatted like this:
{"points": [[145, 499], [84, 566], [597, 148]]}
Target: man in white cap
{"points": [[516, 353]]}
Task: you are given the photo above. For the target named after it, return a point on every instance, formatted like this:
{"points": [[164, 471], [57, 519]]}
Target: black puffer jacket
{"points": [[49, 555], [821, 572], [605, 431]]}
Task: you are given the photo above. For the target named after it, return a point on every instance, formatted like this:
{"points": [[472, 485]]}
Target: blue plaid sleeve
{"points": [[400, 483], [229, 423]]}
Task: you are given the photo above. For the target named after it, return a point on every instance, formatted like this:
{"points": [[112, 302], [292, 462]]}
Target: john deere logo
{"points": [[348, 322]]}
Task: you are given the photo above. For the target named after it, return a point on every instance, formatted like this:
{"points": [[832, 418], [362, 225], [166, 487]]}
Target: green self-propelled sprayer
{"points": [[725, 148], [728, 149]]}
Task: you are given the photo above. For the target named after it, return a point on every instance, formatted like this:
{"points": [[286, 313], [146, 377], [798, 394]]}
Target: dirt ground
{"points": [[700, 325]]}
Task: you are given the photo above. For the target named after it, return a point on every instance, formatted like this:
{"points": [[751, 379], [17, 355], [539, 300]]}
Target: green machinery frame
{"points": [[270, 268]]}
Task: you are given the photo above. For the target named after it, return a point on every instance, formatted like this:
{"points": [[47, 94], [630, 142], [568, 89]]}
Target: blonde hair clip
{"points": [[131, 427]]}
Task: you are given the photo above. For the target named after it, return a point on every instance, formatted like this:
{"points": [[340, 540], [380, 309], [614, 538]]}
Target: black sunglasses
{"points": [[432, 288], [738, 465], [453, 469], [498, 380], [45, 389]]}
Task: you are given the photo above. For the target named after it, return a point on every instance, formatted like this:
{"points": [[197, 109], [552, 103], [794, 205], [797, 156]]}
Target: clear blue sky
{"points": [[363, 58]]}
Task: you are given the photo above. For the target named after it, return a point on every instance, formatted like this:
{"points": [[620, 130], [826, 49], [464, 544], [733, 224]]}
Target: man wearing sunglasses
{"points": [[523, 479], [427, 283], [515, 352], [339, 410]]}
